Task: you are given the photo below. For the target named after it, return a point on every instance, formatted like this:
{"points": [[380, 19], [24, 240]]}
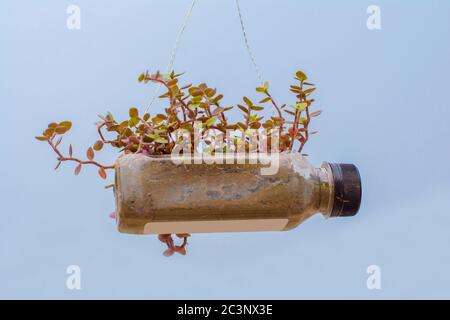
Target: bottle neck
{"points": [[326, 189], [340, 190]]}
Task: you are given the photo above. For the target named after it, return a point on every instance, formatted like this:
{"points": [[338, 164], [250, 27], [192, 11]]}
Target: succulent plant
{"points": [[188, 104]]}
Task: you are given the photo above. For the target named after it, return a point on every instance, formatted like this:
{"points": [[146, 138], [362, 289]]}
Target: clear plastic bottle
{"points": [[154, 195]]}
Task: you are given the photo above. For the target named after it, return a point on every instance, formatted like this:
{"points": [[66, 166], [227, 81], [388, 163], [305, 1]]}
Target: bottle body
{"points": [[156, 195]]}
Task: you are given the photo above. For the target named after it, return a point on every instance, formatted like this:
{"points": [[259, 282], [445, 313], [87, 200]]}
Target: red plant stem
{"points": [[296, 119], [208, 106], [62, 158], [100, 133], [183, 104], [308, 119], [279, 113], [222, 114]]}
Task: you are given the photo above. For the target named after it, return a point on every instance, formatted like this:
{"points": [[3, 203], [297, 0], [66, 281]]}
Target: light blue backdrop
{"points": [[385, 96]]}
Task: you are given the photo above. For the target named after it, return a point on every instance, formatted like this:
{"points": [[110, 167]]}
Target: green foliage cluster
{"points": [[188, 104]]}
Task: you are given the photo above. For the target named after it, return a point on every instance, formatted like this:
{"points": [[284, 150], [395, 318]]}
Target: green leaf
{"points": [[42, 138], [210, 121], [159, 117], [157, 138], [265, 100], [146, 117], [218, 98], [174, 89], [248, 101], [141, 77], [98, 145], [193, 105], [134, 113], [301, 76], [133, 121], [66, 124], [210, 92], [161, 140], [301, 106], [309, 91], [260, 89], [196, 99], [256, 108], [242, 126]]}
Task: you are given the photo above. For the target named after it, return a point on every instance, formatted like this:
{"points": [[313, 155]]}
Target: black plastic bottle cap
{"points": [[347, 190]]}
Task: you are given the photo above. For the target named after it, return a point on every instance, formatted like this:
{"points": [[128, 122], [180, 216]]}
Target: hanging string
{"points": [[247, 44], [174, 51], [178, 41]]}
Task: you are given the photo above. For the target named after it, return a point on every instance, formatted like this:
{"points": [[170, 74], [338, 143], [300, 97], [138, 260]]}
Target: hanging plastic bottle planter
{"points": [[250, 176], [156, 195], [191, 170]]}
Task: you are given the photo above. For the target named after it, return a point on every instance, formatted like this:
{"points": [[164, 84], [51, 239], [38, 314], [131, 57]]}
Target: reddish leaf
{"points": [[102, 173], [168, 252], [113, 215], [41, 138], [61, 129], [290, 112], [316, 113], [90, 154], [58, 142], [163, 237], [244, 109], [217, 111], [70, 151], [78, 169]]}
